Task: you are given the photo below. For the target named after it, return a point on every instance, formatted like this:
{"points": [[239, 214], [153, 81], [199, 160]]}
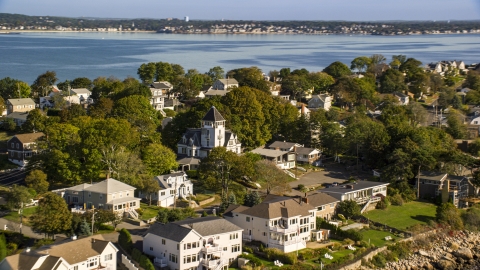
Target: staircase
{"points": [[162, 113], [219, 265], [365, 207], [133, 213], [289, 173]]}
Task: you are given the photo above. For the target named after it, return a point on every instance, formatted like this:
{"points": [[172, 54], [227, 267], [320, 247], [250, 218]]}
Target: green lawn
{"points": [[15, 217], [376, 237], [402, 217], [5, 164], [149, 211], [335, 254]]}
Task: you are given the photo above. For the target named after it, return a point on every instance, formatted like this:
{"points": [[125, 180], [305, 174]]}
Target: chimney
{"points": [[305, 200], [93, 240]]}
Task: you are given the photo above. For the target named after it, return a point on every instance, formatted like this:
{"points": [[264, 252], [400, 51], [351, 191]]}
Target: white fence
{"points": [[128, 263]]}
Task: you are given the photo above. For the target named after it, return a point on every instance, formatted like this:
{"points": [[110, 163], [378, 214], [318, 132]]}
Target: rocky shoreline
{"points": [[450, 250]]}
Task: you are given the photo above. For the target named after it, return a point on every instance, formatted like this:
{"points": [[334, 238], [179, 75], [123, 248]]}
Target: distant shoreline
{"points": [[16, 32]]}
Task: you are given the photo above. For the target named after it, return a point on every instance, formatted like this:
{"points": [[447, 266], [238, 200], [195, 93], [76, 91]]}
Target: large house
{"points": [[108, 194], [296, 151], [22, 147], [283, 159], [172, 186], [325, 204], [446, 187], [225, 84], [366, 193], [83, 95], [278, 222], [78, 254], [195, 243], [198, 142], [20, 105], [322, 101]]}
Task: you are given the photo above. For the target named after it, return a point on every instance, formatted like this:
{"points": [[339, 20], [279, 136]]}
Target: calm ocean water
{"points": [[91, 55]]}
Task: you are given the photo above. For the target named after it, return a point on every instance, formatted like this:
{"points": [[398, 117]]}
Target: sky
{"points": [[350, 10]]}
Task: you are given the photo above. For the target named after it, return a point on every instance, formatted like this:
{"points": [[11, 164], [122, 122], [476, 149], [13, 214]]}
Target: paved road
{"points": [[13, 226]]}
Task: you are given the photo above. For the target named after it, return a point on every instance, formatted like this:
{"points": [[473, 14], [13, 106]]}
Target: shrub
{"points": [[252, 259], [11, 248], [125, 240], [381, 205], [307, 254], [352, 234], [336, 246], [276, 254], [397, 200], [301, 187], [192, 174], [348, 241], [379, 260], [136, 255], [247, 249]]}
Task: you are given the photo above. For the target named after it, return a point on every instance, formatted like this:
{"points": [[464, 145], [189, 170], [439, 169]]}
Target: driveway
{"points": [[333, 172]]}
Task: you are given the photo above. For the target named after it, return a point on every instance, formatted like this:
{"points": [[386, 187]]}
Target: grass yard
{"points": [[376, 237], [15, 217], [149, 211], [5, 164], [402, 217], [336, 256]]}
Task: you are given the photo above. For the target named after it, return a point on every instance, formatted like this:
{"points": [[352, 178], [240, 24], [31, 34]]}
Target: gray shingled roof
{"points": [[29, 137], [228, 81], [269, 152], [305, 150], [213, 115], [109, 186], [18, 115], [282, 145], [435, 176], [21, 101], [162, 179], [170, 231], [281, 207], [360, 185], [206, 226], [161, 85], [319, 199]]}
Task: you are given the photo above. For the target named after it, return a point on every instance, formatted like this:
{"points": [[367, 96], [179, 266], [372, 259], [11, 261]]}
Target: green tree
{"points": [[82, 82], [271, 177], [52, 215], [18, 196], [448, 214], [216, 73], [44, 81], [149, 187], [251, 77], [472, 81], [252, 198], [36, 121], [337, 69], [348, 208], [320, 81], [84, 228], [159, 159], [146, 72], [360, 63], [3, 247], [125, 240], [102, 108], [392, 81], [456, 128], [37, 180], [164, 72], [11, 88]]}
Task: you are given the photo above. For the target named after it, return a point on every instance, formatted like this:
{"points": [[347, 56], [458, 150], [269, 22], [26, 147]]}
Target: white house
{"points": [[195, 243], [225, 84], [322, 101], [283, 159], [174, 185], [402, 98], [363, 192], [20, 105], [198, 142], [83, 95], [78, 254], [475, 120], [278, 222]]}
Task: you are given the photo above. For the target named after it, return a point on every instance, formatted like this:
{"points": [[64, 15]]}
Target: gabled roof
{"points": [[269, 152], [213, 115], [109, 186], [22, 261], [193, 137], [75, 251], [204, 226], [228, 81], [352, 187], [161, 85], [28, 137], [319, 199], [18, 115], [277, 207], [306, 150], [435, 176], [21, 101], [283, 145], [78, 91], [162, 179]]}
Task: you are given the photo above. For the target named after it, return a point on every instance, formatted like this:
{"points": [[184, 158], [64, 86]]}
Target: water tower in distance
{"points": [[186, 18]]}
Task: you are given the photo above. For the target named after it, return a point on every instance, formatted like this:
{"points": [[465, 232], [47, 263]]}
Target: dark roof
{"points": [[211, 225], [169, 231], [282, 145], [356, 186], [171, 102], [51, 262], [161, 85], [29, 137], [319, 199], [204, 226], [162, 179], [193, 137], [454, 178], [213, 115], [18, 115], [183, 160], [435, 176]]}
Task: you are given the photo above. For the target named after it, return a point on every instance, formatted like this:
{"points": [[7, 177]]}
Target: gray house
{"points": [[322, 101]]}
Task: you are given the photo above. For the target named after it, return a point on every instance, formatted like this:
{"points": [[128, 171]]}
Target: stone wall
{"points": [[358, 264]]}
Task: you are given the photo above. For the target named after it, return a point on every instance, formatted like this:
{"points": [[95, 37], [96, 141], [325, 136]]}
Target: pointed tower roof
{"points": [[213, 115]]}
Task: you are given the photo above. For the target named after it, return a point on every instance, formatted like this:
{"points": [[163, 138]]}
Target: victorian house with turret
{"points": [[197, 143]]}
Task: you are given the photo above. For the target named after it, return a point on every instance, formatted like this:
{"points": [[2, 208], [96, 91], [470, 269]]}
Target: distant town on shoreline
{"points": [[18, 23]]}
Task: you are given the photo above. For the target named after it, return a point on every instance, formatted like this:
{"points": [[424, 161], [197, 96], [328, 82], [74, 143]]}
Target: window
{"points": [[190, 258], [162, 193], [121, 194], [89, 194], [248, 219], [108, 257], [236, 248], [75, 268], [113, 196], [18, 146], [225, 248], [173, 258], [75, 199], [101, 196], [320, 208], [12, 145], [233, 236], [151, 248], [332, 205], [163, 241], [178, 246]]}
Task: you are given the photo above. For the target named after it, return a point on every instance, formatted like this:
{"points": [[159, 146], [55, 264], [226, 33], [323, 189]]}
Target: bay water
{"points": [[72, 54]]}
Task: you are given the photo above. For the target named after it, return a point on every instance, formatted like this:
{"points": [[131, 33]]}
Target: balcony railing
{"points": [[211, 249], [285, 243], [210, 263], [160, 262], [363, 200], [283, 230]]}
